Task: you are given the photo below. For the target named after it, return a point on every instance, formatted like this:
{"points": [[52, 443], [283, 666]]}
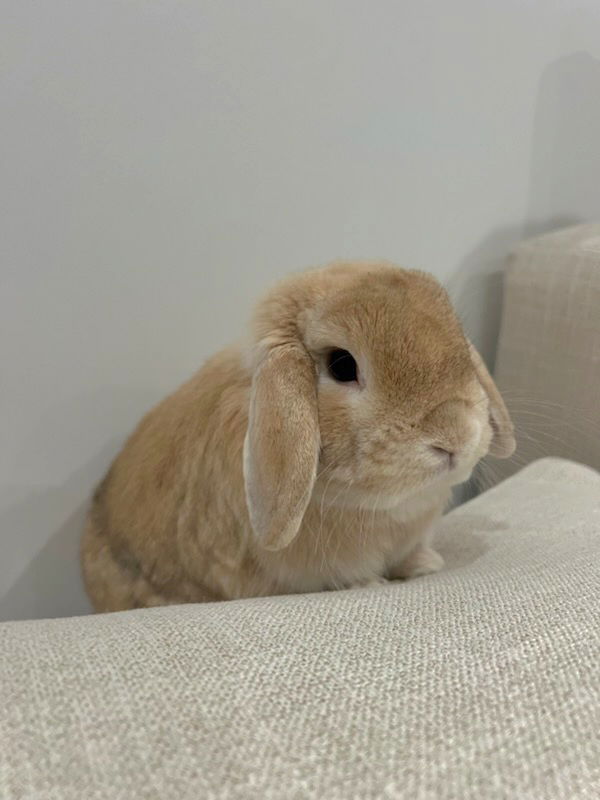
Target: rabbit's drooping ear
{"points": [[281, 449], [503, 442]]}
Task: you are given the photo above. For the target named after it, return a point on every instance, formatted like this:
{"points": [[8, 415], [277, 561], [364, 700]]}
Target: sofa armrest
{"points": [[548, 359]]}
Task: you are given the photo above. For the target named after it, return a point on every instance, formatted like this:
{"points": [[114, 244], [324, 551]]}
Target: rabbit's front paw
{"points": [[368, 583], [422, 561]]}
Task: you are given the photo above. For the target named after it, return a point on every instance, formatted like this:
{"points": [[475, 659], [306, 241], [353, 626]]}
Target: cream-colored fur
{"points": [[264, 475]]}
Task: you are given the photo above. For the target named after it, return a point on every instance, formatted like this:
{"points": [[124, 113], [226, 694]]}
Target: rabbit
{"points": [[316, 455]]}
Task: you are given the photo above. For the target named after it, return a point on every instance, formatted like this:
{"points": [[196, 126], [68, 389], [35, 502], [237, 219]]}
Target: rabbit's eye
{"points": [[342, 366]]}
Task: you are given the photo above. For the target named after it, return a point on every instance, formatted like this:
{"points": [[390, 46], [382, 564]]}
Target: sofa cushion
{"points": [[548, 359], [482, 681]]}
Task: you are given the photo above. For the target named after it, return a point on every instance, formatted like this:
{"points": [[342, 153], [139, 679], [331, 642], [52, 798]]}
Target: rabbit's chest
{"points": [[337, 549]]}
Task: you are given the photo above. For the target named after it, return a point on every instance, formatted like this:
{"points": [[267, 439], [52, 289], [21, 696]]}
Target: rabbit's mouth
{"points": [[391, 473]]}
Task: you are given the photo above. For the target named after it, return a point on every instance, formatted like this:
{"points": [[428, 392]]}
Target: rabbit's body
{"points": [[224, 493], [169, 524]]}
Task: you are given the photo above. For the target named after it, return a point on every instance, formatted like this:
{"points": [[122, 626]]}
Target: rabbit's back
{"points": [[168, 524]]}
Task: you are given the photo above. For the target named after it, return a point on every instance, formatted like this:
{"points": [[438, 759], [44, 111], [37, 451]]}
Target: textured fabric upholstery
{"points": [[480, 682], [548, 359]]}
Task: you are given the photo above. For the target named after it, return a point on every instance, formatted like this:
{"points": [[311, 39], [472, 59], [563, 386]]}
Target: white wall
{"points": [[163, 161]]}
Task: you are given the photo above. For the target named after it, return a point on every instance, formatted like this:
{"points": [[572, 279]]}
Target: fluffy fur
{"points": [[263, 475]]}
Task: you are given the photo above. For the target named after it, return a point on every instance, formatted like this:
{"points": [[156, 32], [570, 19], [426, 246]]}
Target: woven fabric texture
{"points": [[480, 682], [548, 360]]}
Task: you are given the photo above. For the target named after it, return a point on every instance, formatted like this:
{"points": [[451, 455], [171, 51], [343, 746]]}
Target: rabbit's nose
{"points": [[447, 455]]}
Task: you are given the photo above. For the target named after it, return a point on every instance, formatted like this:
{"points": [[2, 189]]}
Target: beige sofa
{"points": [[482, 681]]}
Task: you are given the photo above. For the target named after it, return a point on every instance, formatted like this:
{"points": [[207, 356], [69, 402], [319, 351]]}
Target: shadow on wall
{"points": [[564, 191], [47, 582], [565, 159], [51, 584]]}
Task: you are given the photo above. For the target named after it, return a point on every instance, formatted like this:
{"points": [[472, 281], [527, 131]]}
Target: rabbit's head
{"points": [[364, 385]]}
